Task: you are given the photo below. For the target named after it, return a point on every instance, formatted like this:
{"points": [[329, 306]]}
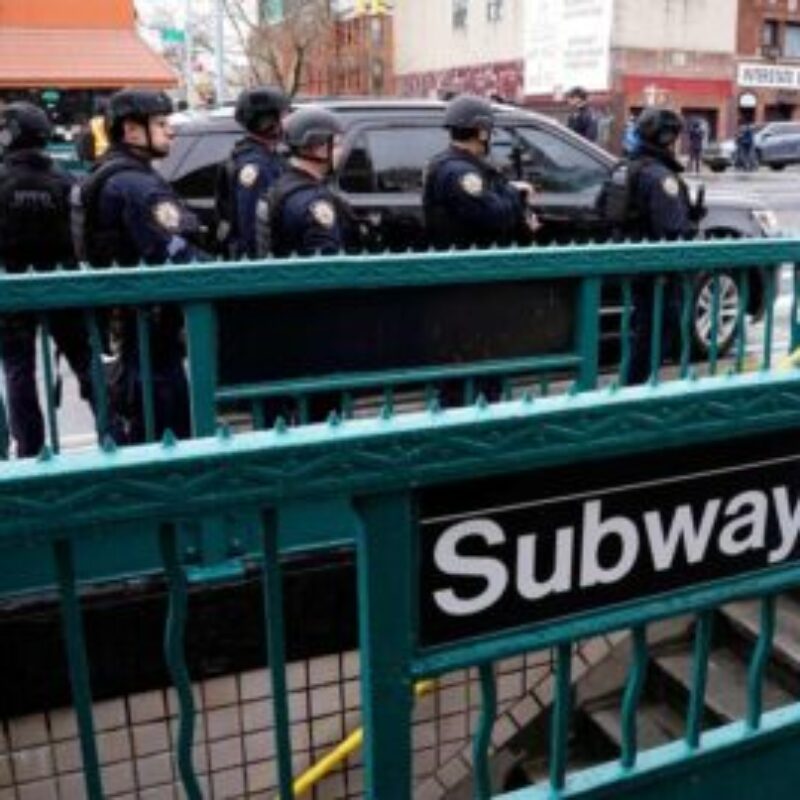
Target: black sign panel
{"points": [[317, 334], [545, 546]]}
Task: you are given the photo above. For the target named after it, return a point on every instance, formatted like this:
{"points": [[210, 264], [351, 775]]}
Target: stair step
{"points": [[657, 723], [726, 688], [745, 618]]}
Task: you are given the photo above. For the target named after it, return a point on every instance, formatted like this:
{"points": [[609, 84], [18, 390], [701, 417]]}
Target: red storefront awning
{"points": [[79, 58]]}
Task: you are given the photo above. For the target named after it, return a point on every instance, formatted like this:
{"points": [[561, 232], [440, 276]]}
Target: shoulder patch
{"points": [[471, 183], [248, 175], [167, 214], [323, 212], [670, 186]]}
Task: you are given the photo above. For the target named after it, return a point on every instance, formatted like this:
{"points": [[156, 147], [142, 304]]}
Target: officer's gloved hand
{"points": [[697, 210], [526, 190]]}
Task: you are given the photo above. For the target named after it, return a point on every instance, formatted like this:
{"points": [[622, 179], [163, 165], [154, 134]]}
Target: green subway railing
{"points": [[74, 520], [595, 283], [357, 483]]}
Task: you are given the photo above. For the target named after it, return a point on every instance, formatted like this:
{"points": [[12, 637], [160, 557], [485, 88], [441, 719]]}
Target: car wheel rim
{"points": [[728, 310]]}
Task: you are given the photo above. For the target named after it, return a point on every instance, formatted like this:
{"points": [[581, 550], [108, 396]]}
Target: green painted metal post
{"points": [[559, 724], [632, 696], [387, 630], [483, 735], [78, 667], [201, 331], [276, 646], [588, 344], [176, 657]]}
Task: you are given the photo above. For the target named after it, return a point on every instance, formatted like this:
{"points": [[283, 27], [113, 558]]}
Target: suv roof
{"points": [[221, 119]]}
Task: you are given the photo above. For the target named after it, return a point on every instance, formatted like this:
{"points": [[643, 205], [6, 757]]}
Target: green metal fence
{"points": [[576, 281], [356, 483]]}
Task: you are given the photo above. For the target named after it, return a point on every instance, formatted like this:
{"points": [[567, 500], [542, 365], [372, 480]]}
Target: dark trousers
{"points": [[170, 392], [641, 331], [18, 342]]}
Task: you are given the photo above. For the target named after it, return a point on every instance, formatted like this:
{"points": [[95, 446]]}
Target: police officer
{"points": [[466, 200], [663, 210], [254, 165], [300, 214], [34, 233], [126, 214], [581, 119]]}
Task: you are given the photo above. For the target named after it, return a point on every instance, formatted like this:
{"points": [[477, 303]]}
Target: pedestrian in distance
{"points": [[663, 211], [582, 119], [252, 168], [630, 138], [696, 136], [35, 235], [746, 158], [126, 214]]}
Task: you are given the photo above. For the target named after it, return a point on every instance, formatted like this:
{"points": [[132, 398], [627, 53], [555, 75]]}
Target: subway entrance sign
{"points": [[558, 544]]}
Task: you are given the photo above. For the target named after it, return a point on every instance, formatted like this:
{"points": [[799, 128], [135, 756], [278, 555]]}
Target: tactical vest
{"points": [[271, 238], [34, 213], [98, 245], [446, 229], [616, 202]]}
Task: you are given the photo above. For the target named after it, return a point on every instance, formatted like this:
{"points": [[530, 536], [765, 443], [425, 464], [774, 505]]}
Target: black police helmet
{"points": [[659, 126], [135, 104], [311, 127], [468, 112], [22, 125], [254, 106]]}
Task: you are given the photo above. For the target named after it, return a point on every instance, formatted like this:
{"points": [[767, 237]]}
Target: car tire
{"points": [[702, 307], [777, 167], [718, 168]]}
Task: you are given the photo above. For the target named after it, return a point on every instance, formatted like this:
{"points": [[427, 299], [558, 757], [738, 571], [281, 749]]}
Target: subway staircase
{"points": [[596, 735]]}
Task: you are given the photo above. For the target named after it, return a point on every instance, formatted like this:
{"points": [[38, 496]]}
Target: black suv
{"points": [[388, 142]]}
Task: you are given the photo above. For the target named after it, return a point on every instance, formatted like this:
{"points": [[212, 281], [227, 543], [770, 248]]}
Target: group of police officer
{"points": [[273, 199]]}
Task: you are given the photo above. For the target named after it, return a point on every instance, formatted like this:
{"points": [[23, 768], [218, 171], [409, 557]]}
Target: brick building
{"points": [[352, 52], [63, 54], [768, 68]]}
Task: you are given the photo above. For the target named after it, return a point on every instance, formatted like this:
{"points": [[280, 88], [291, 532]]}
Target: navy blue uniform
{"points": [[34, 233], [249, 173], [132, 215], [468, 202], [661, 199], [303, 217]]}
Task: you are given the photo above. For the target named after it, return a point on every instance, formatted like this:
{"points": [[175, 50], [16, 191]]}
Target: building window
{"points": [[792, 42], [376, 31], [460, 10], [770, 32], [494, 10]]}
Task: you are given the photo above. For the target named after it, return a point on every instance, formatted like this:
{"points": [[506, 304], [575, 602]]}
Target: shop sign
{"points": [[567, 43], [769, 76]]}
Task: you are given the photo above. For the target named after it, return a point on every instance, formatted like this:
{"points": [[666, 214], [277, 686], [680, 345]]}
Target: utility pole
{"points": [[219, 52], [188, 66]]}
